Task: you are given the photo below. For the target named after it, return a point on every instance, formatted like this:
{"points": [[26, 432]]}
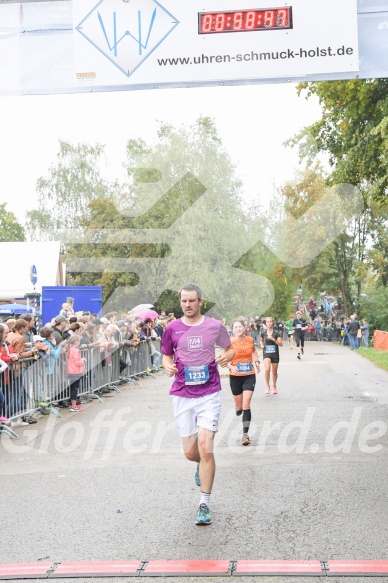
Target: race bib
{"points": [[196, 375], [244, 367], [298, 326], [270, 349]]}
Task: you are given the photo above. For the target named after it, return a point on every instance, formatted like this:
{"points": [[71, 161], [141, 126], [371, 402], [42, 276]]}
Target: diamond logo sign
{"points": [[127, 31]]}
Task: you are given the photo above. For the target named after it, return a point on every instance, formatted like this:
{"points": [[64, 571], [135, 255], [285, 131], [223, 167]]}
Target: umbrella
{"points": [[147, 314], [8, 309], [142, 307]]}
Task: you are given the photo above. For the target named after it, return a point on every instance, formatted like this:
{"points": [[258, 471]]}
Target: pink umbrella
{"points": [[147, 314], [142, 307]]}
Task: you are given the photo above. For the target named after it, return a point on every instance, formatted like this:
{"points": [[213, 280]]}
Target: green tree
{"points": [[10, 228], [180, 219], [377, 256], [193, 199], [102, 215], [374, 305], [64, 195], [352, 131], [312, 208]]}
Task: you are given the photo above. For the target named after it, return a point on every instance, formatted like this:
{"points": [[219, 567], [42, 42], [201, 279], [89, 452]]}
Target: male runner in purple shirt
{"points": [[188, 347]]}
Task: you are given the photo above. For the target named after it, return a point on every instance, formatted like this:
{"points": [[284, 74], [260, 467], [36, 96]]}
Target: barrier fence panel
{"points": [[32, 385]]}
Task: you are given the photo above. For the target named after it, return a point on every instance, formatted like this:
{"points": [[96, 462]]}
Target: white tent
{"points": [[17, 262]]}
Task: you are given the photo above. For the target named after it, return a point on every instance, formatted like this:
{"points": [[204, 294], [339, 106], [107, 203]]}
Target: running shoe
{"points": [[79, 408], [4, 419], [245, 439], [274, 390], [239, 412], [19, 423], [298, 357], [203, 515], [196, 476], [267, 390], [74, 409]]}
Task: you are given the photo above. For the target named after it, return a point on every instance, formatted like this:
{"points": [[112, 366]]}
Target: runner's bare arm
{"points": [[255, 359], [225, 357], [169, 365], [277, 340]]}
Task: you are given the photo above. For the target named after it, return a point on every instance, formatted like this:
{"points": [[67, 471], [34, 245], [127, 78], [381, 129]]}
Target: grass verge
{"points": [[379, 357]]}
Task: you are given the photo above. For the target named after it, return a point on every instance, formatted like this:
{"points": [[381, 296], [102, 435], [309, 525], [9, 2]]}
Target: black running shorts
{"points": [[244, 383]]}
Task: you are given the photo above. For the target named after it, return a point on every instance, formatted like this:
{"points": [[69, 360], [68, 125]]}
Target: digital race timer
{"points": [[245, 20]]}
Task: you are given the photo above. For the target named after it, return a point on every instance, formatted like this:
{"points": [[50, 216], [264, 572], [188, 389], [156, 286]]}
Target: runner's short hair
{"points": [[191, 287]]}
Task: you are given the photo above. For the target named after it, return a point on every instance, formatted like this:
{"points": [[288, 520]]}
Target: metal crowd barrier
{"points": [[312, 333], [30, 387]]}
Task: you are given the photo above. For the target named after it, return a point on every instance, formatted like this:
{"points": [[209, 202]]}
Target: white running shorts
{"points": [[191, 413]]}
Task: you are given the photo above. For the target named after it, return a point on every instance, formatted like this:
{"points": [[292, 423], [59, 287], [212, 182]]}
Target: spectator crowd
{"points": [[70, 333]]}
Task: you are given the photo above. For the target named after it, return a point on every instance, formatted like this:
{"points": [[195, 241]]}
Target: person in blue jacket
{"points": [[53, 380]]}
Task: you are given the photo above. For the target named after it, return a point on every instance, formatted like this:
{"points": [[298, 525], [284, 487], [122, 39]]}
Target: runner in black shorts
{"points": [[270, 341], [299, 326], [242, 374]]}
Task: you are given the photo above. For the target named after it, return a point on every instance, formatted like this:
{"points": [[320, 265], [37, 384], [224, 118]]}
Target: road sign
{"points": [[33, 274], [142, 42]]}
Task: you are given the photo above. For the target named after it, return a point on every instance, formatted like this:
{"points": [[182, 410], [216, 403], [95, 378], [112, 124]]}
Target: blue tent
{"points": [[12, 309]]}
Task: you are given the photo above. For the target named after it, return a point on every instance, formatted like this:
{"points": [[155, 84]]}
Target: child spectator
{"points": [[54, 380], [75, 367]]}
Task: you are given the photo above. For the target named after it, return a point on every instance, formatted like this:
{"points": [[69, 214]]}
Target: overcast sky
{"points": [[253, 122]]}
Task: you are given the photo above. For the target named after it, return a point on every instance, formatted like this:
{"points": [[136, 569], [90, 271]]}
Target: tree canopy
{"points": [[181, 220], [353, 131], [10, 228], [64, 195]]}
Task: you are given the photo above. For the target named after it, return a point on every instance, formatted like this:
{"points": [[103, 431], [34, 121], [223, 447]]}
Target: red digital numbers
{"points": [[245, 20]]}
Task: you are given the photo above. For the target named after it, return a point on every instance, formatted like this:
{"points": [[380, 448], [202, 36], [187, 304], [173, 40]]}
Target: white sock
{"points": [[205, 499]]}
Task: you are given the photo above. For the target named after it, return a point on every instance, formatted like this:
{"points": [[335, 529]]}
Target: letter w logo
{"points": [[115, 40], [126, 33]]}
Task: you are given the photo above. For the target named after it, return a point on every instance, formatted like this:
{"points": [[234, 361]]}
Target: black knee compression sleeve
{"points": [[246, 420]]}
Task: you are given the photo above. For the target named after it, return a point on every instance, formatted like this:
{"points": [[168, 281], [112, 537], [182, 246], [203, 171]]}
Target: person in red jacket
{"points": [[75, 367], [7, 356]]}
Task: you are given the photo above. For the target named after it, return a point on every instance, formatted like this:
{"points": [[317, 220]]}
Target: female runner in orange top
{"points": [[242, 374]]}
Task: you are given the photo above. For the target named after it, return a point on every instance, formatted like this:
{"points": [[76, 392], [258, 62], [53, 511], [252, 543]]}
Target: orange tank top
{"points": [[243, 354]]}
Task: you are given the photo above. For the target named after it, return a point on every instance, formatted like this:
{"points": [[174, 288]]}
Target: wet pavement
{"points": [[111, 483]]}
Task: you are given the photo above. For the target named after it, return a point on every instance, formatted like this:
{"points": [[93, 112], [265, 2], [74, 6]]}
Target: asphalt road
{"points": [[111, 483]]}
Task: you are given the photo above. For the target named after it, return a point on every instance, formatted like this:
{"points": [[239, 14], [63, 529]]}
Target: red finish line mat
{"points": [[25, 571], [295, 568], [96, 569], [357, 568], [187, 568], [223, 568]]}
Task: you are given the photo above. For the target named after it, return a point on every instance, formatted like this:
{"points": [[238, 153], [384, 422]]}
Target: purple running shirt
{"points": [[193, 348]]}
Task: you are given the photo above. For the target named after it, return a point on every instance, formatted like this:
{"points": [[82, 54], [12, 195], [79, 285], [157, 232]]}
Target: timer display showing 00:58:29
{"points": [[245, 20]]}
